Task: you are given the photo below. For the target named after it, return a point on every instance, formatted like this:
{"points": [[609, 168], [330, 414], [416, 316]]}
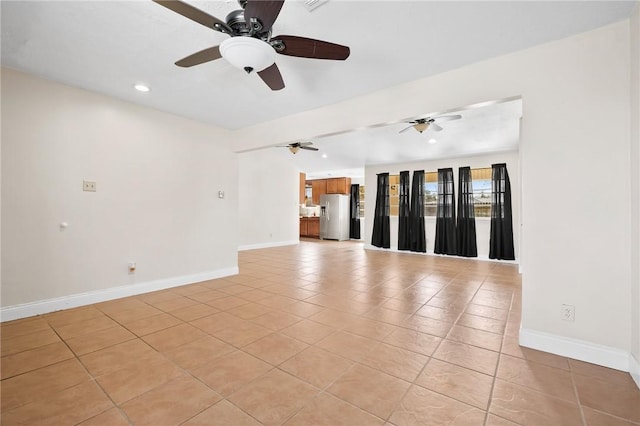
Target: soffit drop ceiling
{"points": [[483, 129]]}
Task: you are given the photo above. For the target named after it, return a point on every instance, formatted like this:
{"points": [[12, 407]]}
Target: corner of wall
{"points": [[634, 24], [634, 369]]}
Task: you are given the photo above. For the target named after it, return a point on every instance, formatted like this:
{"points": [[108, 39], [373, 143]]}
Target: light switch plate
{"points": [[88, 185]]}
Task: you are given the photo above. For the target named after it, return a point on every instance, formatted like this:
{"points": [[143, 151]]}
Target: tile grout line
{"points": [[362, 315], [93, 379], [442, 339], [493, 383], [577, 395], [186, 371]]}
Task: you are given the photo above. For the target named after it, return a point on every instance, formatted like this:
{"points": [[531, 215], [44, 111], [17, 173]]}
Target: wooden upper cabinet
{"points": [[339, 185], [329, 186], [303, 179], [332, 186], [318, 187]]}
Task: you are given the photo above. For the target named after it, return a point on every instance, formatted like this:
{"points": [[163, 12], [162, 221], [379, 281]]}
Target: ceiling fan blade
{"points": [[265, 11], [448, 117], [195, 14], [305, 143], [405, 129], [205, 55], [309, 148], [435, 127], [271, 75], [310, 48]]}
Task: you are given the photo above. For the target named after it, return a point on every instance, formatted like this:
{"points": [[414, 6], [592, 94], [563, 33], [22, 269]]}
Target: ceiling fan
{"points": [[422, 124], [297, 146], [251, 46]]}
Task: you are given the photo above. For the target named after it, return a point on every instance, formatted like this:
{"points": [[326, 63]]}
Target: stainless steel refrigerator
{"points": [[334, 217]]}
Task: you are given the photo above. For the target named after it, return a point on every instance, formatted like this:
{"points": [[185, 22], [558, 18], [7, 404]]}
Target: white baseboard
{"points": [[634, 369], [74, 300], [577, 349], [268, 245]]}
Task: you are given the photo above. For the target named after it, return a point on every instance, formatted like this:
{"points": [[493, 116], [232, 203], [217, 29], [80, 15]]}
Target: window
{"points": [[481, 184], [481, 193], [394, 197], [430, 193]]}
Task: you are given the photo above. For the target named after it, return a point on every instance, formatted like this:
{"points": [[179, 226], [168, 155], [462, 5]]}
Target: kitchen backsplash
{"points": [[308, 211]]}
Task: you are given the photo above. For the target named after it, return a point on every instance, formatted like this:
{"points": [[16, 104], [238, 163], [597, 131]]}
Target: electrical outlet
{"points": [[568, 312], [88, 185]]}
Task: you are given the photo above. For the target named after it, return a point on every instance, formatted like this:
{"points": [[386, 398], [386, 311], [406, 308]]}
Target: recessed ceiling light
{"points": [[324, 155], [141, 88], [432, 140]]}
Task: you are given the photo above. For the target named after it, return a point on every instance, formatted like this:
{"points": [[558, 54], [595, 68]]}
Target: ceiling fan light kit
{"points": [[294, 147], [421, 127], [251, 46], [422, 124], [247, 53]]}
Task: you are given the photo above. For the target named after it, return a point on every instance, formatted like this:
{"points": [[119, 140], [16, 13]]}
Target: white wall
{"points": [[573, 251], [156, 202], [269, 196], [635, 192], [483, 225], [357, 180]]}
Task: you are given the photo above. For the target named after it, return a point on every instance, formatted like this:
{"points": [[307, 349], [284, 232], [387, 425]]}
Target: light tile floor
{"points": [[324, 333]]}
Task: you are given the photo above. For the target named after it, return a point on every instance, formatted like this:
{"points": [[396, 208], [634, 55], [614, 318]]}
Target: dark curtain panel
{"points": [[466, 223], [501, 239], [381, 235], [416, 216], [354, 224], [445, 242], [404, 231]]}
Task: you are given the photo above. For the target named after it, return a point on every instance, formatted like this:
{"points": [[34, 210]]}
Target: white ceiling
{"points": [[108, 46]]}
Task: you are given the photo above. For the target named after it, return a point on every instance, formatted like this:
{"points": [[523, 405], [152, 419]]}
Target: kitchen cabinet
{"points": [[310, 227], [338, 185], [332, 186], [313, 229], [303, 180], [318, 188]]}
